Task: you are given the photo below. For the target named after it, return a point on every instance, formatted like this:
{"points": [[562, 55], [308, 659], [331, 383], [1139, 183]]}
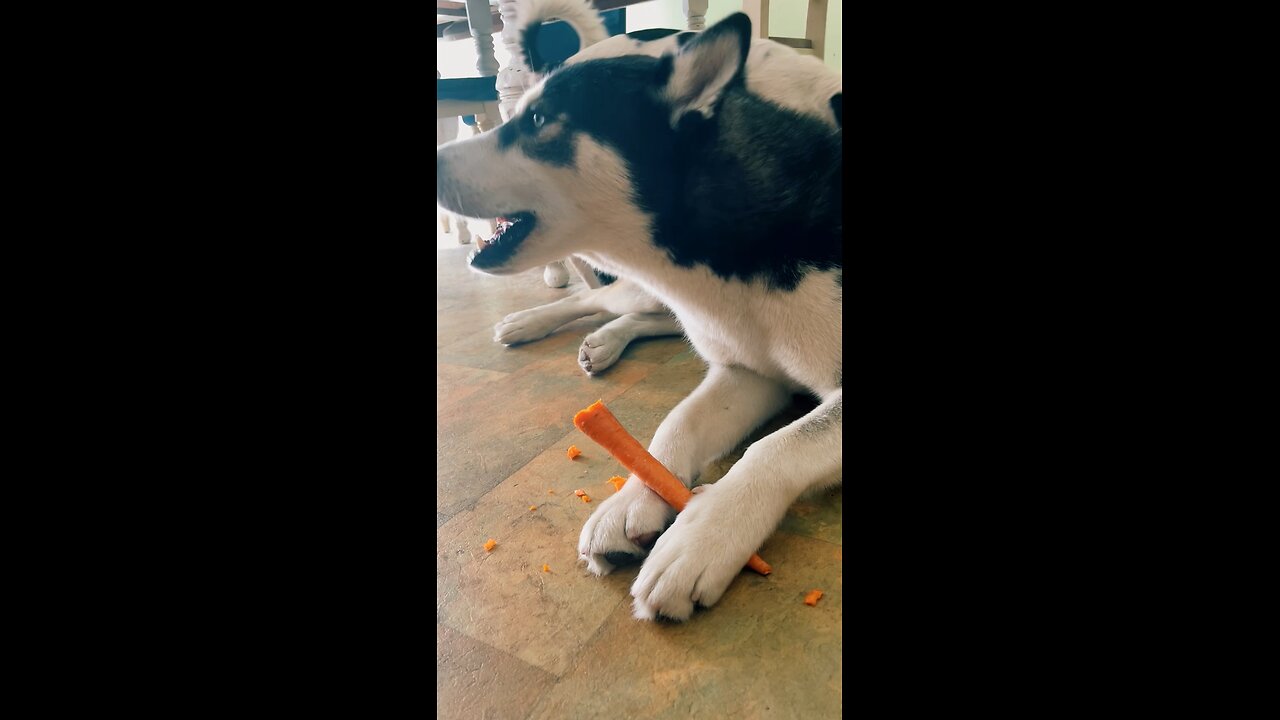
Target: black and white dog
{"points": [[705, 169]]}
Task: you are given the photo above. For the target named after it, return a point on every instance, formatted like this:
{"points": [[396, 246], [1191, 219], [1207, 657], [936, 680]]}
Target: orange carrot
{"points": [[488, 546], [573, 452], [600, 425], [546, 567], [813, 597], [618, 482]]}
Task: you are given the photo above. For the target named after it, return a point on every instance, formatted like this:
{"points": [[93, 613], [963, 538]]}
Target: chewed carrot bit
{"points": [[618, 482], [546, 568], [532, 508], [813, 597], [573, 452], [585, 498], [579, 492], [488, 546], [551, 492]]}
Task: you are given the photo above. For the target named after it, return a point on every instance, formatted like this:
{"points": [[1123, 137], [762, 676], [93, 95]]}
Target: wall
{"points": [[786, 19]]}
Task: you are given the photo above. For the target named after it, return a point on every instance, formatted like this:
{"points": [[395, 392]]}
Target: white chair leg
{"points": [[555, 275], [511, 79], [695, 14]]}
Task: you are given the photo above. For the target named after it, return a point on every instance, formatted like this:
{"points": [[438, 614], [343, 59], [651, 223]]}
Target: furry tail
{"points": [[578, 14]]}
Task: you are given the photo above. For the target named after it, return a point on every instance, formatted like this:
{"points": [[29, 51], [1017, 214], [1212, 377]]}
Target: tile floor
{"points": [[515, 642]]}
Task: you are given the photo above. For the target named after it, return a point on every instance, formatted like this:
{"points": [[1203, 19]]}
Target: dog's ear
{"points": [[706, 64], [545, 44]]}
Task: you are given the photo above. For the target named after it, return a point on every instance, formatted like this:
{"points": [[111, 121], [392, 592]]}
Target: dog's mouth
{"points": [[512, 230]]}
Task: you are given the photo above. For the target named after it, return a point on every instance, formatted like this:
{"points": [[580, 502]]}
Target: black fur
{"points": [[716, 199], [529, 42], [651, 34], [837, 107]]}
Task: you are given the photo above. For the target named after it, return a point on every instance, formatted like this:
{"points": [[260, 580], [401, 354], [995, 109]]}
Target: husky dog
{"points": [[689, 165]]}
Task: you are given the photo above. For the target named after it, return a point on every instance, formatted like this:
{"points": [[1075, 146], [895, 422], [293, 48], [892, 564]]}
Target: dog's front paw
{"points": [[524, 326], [623, 528], [599, 350], [694, 561]]}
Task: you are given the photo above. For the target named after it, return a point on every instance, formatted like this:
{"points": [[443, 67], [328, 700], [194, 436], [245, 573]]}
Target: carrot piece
{"points": [[600, 425], [573, 452], [532, 508], [585, 498], [813, 597], [546, 567], [579, 492], [551, 492], [488, 546], [618, 482]]}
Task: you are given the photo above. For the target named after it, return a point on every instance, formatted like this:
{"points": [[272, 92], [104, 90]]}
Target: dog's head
{"points": [[568, 167]]}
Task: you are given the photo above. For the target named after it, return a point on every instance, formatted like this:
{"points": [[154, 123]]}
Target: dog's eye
{"points": [[538, 120]]}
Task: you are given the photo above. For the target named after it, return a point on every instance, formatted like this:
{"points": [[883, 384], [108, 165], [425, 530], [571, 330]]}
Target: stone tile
{"points": [[508, 422], [474, 680], [478, 350], [441, 519], [759, 652], [503, 597], [819, 515], [456, 382], [468, 303]]}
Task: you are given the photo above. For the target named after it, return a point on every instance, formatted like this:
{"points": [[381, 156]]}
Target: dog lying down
{"points": [[686, 165]]}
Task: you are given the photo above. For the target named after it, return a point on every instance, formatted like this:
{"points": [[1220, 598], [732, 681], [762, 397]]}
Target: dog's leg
{"points": [[620, 298], [697, 558], [443, 215], [539, 322], [602, 348], [729, 404]]}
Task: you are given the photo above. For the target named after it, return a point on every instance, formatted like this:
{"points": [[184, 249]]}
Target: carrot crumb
{"points": [[488, 546], [579, 492], [813, 597], [618, 482], [551, 492], [586, 498], [573, 452], [546, 568], [532, 508]]}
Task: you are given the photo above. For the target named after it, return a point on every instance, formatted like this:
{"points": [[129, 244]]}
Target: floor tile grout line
{"points": [[577, 661], [495, 648]]}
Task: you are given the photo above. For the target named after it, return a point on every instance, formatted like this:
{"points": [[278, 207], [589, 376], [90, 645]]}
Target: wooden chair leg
{"points": [[511, 79], [758, 11], [815, 27], [481, 25], [695, 14]]}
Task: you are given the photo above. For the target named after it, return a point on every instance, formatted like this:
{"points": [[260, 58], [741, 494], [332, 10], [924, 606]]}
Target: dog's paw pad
{"points": [[599, 352]]}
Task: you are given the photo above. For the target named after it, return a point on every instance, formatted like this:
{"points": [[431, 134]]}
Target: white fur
{"points": [[774, 71], [635, 314]]}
